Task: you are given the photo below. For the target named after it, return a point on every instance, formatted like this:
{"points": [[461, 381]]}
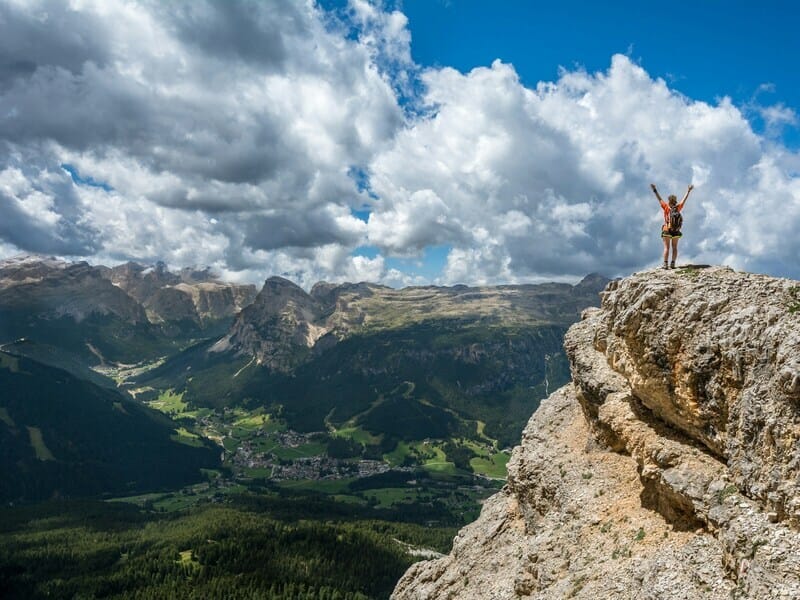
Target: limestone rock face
{"points": [[716, 354], [216, 299], [668, 468], [192, 295], [278, 327]]}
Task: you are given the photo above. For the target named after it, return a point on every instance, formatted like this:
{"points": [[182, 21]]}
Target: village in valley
{"points": [[258, 451]]}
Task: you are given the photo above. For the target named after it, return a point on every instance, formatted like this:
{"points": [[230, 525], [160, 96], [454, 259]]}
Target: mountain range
{"points": [[124, 314], [407, 364], [380, 365]]}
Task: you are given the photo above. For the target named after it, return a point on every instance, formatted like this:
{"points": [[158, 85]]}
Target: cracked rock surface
{"points": [[668, 468]]}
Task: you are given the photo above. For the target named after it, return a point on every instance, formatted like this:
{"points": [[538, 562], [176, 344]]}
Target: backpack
{"points": [[675, 219]]}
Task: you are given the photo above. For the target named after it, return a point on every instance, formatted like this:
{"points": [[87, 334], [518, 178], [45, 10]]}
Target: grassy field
{"points": [[396, 456], [184, 436], [230, 444], [399, 454], [358, 435], [495, 466], [6, 418], [427, 454], [304, 451], [37, 441], [439, 462], [489, 462], [197, 413], [253, 420], [169, 403]]}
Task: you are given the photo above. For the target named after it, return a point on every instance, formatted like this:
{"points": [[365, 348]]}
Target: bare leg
{"points": [[675, 249], [666, 248]]}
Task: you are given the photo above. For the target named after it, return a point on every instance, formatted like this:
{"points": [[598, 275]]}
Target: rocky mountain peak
{"points": [[53, 288], [280, 298], [125, 308], [668, 468], [280, 286], [193, 295], [335, 297], [197, 275], [280, 324], [141, 281], [592, 280]]}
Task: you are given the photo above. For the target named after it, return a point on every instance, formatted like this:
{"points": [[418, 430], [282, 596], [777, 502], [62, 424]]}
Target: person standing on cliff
{"points": [[673, 221]]}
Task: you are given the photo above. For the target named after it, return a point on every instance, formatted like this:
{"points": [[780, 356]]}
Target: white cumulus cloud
{"points": [[243, 135], [555, 180], [217, 129]]}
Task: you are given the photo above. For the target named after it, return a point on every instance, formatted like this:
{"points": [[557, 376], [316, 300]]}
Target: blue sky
{"points": [[742, 49], [407, 143]]}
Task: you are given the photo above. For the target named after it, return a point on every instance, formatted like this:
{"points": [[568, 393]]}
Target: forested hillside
{"points": [[249, 548], [63, 437]]}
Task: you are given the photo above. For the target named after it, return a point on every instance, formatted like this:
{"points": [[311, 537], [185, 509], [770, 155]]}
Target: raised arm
{"points": [[655, 191], [688, 191]]}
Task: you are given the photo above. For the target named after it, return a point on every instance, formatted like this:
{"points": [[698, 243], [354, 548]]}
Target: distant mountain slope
{"points": [[124, 314], [59, 358], [71, 306], [284, 321], [191, 298], [63, 437], [366, 355]]}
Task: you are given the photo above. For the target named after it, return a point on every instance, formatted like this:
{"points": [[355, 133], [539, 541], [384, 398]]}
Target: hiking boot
{"points": [[665, 265], [672, 265]]}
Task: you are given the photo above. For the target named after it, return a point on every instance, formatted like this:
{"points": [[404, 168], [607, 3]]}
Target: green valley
{"points": [[458, 374], [313, 448]]}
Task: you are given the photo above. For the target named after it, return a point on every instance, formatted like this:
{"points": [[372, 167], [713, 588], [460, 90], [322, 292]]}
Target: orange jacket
{"points": [[665, 208]]}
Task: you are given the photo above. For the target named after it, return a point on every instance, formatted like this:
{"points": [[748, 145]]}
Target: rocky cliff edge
{"points": [[669, 468]]}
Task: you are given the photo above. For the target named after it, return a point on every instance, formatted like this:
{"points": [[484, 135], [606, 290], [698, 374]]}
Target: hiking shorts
{"points": [[671, 233]]}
